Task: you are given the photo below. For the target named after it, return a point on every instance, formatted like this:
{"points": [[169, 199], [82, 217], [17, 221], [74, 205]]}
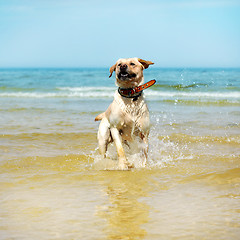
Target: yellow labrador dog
{"points": [[127, 117]]}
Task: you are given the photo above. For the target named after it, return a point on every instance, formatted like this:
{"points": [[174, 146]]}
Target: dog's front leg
{"points": [[123, 164]]}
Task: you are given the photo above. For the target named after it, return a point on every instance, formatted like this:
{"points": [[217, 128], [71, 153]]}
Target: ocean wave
{"points": [[108, 92], [85, 89], [71, 94], [233, 140], [222, 95], [180, 86]]}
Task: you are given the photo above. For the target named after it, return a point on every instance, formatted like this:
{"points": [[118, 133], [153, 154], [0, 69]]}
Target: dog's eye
{"points": [[133, 64], [119, 64]]}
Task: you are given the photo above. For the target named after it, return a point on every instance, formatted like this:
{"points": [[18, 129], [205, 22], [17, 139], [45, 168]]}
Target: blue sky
{"points": [[91, 33]]}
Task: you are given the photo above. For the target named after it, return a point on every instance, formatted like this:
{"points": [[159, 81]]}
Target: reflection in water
{"points": [[126, 212]]}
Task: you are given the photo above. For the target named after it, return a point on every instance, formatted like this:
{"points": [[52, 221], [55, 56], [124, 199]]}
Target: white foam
{"points": [[221, 95], [108, 92], [67, 93], [86, 89], [161, 154]]}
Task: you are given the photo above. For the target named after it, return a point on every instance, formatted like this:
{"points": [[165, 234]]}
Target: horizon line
{"points": [[104, 67]]}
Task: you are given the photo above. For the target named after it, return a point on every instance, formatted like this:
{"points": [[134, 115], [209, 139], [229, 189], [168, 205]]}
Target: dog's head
{"points": [[129, 71]]}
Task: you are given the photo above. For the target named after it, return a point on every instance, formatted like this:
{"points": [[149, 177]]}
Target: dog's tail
{"points": [[100, 116]]}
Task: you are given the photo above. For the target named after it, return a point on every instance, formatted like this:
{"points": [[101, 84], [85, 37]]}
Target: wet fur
{"points": [[125, 119]]}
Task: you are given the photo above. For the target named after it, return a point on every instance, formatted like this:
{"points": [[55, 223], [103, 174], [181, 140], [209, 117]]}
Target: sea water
{"points": [[54, 185]]}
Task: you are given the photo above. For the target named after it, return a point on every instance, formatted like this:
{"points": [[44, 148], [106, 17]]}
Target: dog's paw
{"points": [[125, 165]]}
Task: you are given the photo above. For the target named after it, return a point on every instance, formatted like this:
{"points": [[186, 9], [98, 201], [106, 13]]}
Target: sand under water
{"points": [[54, 185]]}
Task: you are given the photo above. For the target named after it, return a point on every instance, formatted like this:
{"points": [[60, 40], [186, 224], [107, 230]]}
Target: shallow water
{"points": [[55, 186]]}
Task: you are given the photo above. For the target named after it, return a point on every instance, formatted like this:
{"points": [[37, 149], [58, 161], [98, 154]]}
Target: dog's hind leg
{"points": [[103, 136], [144, 147]]}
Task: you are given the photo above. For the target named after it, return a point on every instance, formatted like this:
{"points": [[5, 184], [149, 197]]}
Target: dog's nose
{"points": [[123, 67]]}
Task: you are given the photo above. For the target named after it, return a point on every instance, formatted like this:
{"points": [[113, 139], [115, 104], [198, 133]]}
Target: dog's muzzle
{"points": [[124, 75]]}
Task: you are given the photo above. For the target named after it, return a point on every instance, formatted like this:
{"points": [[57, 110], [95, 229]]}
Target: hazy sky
{"points": [[91, 33]]}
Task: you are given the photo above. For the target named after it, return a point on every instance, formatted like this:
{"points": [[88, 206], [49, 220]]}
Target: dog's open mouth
{"points": [[126, 75]]}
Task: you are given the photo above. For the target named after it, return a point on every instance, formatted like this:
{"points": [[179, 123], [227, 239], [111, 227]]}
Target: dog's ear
{"points": [[112, 68], [145, 63]]}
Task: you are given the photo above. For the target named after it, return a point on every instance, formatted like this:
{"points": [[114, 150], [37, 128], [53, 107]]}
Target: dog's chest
{"points": [[135, 110]]}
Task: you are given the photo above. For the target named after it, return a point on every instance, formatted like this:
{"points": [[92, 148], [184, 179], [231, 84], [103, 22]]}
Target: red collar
{"points": [[135, 92]]}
